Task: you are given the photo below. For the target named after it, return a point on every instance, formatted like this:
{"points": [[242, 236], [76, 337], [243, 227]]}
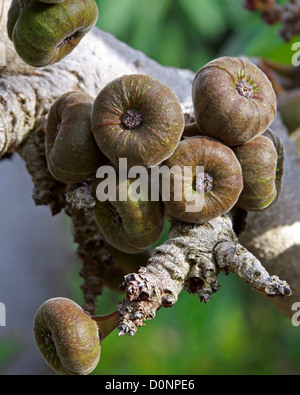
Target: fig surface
{"points": [[67, 337], [234, 101], [139, 118], [215, 178], [121, 264], [261, 166], [132, 226], [71, 150], [45, 33]]}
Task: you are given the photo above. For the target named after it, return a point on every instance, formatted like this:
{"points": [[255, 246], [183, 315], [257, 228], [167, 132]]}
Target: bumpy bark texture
{"points": [[194, 255]]}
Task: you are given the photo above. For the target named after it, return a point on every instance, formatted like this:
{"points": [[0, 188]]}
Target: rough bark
{"points": [[183, 262]]}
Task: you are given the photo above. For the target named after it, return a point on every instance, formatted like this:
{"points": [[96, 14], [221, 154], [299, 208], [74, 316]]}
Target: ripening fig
{"points": [[207, 176], [234, 101], [139, 118], [12, 17], [262, 172], [44, 32], [72, 153], [191, 130], [129, 223], [67, 337]]}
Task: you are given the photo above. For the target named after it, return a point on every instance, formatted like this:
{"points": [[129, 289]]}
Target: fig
{"points": [[45, 32], [214, 180], [139, 118], [130, 225], [234, 100], [67, 337], [72, 153], [262, 169], [122, 264]]}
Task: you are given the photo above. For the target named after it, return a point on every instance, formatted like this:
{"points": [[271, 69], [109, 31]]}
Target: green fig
{"points": [[234, 101], [72, 153], [138, 118], [44, 33], [212, 185], [67, 337], [262, 171]]}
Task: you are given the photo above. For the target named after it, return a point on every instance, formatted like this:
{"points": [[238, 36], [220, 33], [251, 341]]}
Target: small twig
{"points": [[191, 259]]}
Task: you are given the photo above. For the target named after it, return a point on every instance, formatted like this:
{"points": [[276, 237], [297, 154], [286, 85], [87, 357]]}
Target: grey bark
{"points": [[27, 93]]}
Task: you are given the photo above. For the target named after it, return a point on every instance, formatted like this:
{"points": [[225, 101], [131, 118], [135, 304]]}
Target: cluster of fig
{"points": [[139, 118], [234, 158], [45, 31]]}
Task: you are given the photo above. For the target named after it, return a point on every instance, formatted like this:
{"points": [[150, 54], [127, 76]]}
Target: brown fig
{"points": [[234, 101], [67, 337], [138, 118], [262, 172], [129, 224], [208, 176], [72, 153]]}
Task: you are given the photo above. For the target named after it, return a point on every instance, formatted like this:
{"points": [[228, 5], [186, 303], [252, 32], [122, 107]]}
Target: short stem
{"points": [[107, 323]]}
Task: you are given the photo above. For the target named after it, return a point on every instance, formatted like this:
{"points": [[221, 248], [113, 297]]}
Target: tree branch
{"points": [[191, 259]]}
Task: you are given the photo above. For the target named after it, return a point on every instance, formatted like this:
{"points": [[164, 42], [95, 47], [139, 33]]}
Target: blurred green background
{"points": [[237, 332]]}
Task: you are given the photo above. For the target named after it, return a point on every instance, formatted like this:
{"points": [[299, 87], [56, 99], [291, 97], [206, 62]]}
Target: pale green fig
{"points": [[234, 101], [128, 224], [45, 32]]}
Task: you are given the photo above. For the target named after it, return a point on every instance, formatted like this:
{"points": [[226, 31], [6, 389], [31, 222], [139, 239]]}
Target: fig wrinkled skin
{"points": [[67, 337], [45, 32], [71, 151], [219, 185], [191, 130], [261, 165], [51, 1], [131, 226], [139, 118], [234, 101]]}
